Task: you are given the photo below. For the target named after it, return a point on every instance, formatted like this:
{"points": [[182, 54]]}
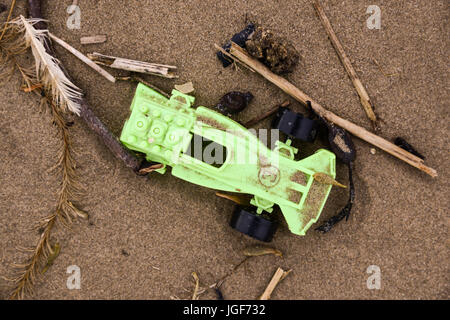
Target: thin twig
{"points": [[382, 69], [133, 65], [362, 92], [83, 58], [354, 129], [235, 60], [135, 78], [93, 39], [279, 275], [265, 115], [197, 286], [13, 4]]}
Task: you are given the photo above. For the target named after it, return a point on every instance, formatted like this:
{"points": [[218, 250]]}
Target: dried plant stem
{"points": [[83, 58], [93, 39], [13, 4], [354, 129], [65, 210], [70, 187], [25, 281], [133, 65], [234, 59], [135, 78], [197, 286], [279, 275], [363, 95]]}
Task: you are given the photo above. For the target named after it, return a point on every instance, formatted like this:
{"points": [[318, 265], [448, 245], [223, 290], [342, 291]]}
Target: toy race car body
{"points": [[165, 130]]}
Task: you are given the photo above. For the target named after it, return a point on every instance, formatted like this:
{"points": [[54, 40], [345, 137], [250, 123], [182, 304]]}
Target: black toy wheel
{"points": [[253, 225], [295, 125]]}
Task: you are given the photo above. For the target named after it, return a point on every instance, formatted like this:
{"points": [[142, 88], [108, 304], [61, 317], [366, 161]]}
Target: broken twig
{"points": [[234, 59], [239, 199], [279, 275], [363, 95], [135, 78], [354, 129], [133, 65], [13, 4], [82, 57], [93, 39], [197, 286], [150, 169]]}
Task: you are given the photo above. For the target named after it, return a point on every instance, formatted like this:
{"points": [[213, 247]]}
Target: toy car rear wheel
{"points": [[295, 125], [252, 224]]}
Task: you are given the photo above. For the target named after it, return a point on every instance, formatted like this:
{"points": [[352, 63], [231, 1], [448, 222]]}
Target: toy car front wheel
{"points": [[295, 125], [253, 225]]}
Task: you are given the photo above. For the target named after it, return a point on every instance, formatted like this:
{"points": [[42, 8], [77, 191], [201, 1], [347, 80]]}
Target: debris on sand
{"points": [[406, 146], [162, 70], [278, 54], [279, 275], [52, 257], [241, 199], [93, 39], [234, 102], [239, 38], [185, 88], [255, 251], [324, 178], [197, 286]]}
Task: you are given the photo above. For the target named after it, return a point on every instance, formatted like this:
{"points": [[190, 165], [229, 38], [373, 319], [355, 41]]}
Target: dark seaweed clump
{"points": [[279, 55]]}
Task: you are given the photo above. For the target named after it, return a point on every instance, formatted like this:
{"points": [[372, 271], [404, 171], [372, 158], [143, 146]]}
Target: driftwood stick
{"points": [[83, 58], [226, 54], [92, 121], [354, 129], [133, 65], [363, 95], [279, 275]]}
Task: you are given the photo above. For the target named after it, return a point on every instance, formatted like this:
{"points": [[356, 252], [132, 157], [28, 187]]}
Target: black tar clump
{"points": [[234, 102], [239, 38]]}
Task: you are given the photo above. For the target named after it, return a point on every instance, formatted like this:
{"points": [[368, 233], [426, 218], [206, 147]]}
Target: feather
{"points": [[48, 71]]}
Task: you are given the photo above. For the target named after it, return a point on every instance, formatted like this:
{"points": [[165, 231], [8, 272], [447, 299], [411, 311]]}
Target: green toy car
{"points": [[168, 131]]}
